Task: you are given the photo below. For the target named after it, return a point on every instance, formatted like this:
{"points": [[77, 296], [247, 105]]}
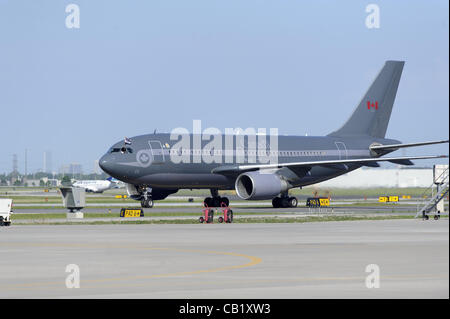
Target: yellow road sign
{"points": [[383, 199], [129, 212], [393, 198], [324, 202]]}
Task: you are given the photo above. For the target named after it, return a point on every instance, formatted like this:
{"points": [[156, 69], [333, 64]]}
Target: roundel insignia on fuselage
{"points": [[144, 158]]}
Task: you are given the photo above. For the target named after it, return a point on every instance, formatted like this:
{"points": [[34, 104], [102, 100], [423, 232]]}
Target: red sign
{"points": [[372, 105]]}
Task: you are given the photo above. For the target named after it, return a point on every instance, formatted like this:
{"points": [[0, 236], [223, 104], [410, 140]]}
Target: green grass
{"points": [[193, 215], [115, 215], [108, 196], [36, 216], [27, 199], [324, 191], [306, 191], [237, 220]]}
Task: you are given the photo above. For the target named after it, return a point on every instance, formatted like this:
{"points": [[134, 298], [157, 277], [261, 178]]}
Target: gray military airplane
{"points": [[150, 164]]}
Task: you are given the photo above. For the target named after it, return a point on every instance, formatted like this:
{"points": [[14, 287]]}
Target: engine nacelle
{"points": [[256, 185]]}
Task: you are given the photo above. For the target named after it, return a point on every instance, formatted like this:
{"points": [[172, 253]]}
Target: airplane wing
{"points": [[397, 146], [340, 164]]}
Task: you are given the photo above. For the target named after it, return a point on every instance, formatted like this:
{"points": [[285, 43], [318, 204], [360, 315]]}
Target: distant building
{"points": [[33, 182], [15, 169], [382, 177], [47, 165], [64, 169], [51, 181], [71, 169], [97, 169], [76, 169]]}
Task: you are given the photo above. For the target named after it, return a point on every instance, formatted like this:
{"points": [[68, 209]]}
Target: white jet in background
{"points": [[97, 186], [5, 211]]}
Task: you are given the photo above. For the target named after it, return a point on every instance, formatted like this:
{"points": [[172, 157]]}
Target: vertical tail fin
{"points": [[371, 117]]}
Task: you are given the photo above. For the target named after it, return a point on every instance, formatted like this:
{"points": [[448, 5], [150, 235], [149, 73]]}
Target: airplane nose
{"points": [[106, 164]]}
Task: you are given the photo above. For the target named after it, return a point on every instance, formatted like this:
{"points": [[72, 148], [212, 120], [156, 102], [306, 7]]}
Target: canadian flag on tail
{"points": [[372, 105]]}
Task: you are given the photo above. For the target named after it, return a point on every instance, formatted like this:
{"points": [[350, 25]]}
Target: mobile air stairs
{"points": [[429, 203]]}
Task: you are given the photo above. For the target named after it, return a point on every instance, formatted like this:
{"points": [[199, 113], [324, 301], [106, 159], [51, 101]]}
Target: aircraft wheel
{"points": [[285, 202], [220, 219], [147, 203], [293, 202], [201, 220], [208, 202], [276, 202], [216, 201], [225, 201]]}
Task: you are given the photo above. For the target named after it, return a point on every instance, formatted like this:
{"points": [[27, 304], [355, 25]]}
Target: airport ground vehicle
{"points": [[5, 211], [208, 215], [227, 215]]}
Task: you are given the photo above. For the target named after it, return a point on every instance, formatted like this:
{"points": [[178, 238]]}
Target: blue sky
{"points": [[136, 66]]}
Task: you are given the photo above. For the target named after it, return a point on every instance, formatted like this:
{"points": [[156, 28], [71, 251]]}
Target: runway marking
{"points": [[253, 261]]}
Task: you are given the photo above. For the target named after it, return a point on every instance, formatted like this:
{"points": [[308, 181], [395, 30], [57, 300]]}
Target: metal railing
{"points": [[430, 200]]}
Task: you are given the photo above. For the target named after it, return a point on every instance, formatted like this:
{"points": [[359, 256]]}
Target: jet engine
{"points": [[257, 185]]}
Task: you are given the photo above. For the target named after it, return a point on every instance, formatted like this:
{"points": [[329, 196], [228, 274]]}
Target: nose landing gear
{"points": [[147, 200], [147, 203]]}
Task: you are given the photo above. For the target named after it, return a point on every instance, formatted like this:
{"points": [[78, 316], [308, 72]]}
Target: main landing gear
{"points": [[216, 200], [284, 202]]}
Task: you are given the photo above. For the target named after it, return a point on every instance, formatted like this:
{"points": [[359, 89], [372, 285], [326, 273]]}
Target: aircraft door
{"points": [[342, 150], [157, 151]]}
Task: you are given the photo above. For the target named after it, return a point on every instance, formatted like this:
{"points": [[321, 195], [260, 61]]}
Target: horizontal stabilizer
{"points": [[371, 164], [338, 166], [402, 162], [397, 146]]}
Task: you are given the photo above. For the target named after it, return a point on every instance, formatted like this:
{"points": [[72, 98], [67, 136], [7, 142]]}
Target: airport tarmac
{"points": [[310, 260]]}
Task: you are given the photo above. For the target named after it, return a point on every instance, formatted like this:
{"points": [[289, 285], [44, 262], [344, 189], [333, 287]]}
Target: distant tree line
{"points": [[17, 179]]}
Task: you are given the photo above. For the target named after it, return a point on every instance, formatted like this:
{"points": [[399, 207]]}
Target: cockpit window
{"points": [[122, 150]]}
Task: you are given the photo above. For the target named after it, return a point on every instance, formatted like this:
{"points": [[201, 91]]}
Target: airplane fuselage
{"points": [[149, 160]]}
